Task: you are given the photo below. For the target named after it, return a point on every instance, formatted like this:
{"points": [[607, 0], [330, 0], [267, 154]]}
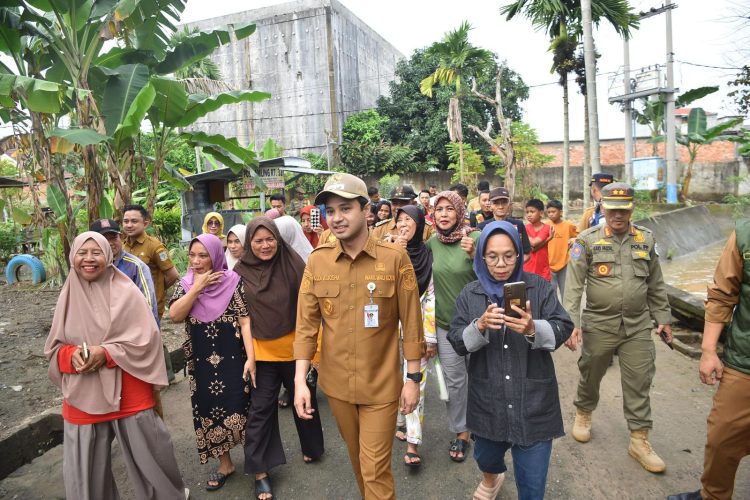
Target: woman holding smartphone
{"points": [[513, 399]]}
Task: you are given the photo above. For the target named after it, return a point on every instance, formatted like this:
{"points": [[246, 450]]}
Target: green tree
{"points": [[419, 123], [458, 62], [365, 151], [528, 157], [561, 21], [698, 135]]}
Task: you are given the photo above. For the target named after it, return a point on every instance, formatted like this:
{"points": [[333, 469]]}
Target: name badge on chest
{"points": [[371, 309]]}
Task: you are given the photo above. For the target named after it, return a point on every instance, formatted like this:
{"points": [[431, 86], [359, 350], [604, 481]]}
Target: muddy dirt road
{"points": [[600, 469]]}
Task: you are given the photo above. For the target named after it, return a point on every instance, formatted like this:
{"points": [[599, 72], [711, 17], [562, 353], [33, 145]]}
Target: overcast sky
{"points": [[701, 35]]}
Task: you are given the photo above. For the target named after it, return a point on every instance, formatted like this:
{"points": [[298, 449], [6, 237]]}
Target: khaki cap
{"points": [[345, 185], [618, 196]]}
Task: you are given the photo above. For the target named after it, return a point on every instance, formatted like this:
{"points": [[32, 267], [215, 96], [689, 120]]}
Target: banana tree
{"points": [[698, 135], [651, 112]]}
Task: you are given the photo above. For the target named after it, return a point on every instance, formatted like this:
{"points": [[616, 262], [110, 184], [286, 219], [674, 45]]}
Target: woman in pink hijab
{"points": [[105, 353], [218, 353]]}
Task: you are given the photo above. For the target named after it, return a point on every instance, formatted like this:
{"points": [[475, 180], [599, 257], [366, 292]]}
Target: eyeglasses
{"points": [[213, 223], [494, 260]]}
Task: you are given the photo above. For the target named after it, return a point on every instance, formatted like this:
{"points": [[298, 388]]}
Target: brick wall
{"points": [[612, 152]]}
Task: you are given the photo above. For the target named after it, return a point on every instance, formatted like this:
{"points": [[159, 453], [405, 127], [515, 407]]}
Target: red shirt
{"points": [[136, 395], [538, 263]]}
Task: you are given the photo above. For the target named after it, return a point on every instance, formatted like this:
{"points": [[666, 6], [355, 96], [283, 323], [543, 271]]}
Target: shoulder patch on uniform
{"points": [[408, 278], [326, 244], [642, 228], [163, 255], [384, 221], [577, 250]]}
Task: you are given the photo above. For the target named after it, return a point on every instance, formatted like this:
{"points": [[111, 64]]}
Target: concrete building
{"points": [[319, 62]]}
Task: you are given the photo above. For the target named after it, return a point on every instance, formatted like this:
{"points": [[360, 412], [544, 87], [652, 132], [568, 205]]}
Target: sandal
{"points": [[459, 446], [411, 456], [401, 429], [219, 478], [485, 493], [263, 486], [284, 398]]}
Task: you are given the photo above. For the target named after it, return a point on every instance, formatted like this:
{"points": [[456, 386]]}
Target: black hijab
{"points": [[271, 287], [420, 255]]}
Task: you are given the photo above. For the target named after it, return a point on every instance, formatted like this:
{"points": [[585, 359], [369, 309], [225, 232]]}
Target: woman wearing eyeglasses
{"points": [[213, 223], [452, 253], [513, 400]]}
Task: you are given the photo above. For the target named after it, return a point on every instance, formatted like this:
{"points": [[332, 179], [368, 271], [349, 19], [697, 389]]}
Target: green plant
{"points": [[738, 203], [53, 258], [473, 164], [9, 238], [387, 183], [166, 223], [179, 256]]}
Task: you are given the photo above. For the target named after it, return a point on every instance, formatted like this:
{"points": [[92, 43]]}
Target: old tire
{"points": [[38, 273]]}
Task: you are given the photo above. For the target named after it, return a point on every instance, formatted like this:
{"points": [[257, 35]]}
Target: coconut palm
{"points": [[459, 62], [561, 21]]}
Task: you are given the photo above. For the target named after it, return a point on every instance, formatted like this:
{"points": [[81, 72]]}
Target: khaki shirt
{"points": [[154, 254], [585, 222], [359, 365], [724, 293], [622, 279], [388, 226]]}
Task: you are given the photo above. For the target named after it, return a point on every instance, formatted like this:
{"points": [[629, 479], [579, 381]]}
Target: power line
{"points": [[710, 66]]}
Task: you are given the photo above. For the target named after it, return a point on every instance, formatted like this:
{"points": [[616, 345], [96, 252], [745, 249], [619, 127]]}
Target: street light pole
{"points": [[671, 145], [628, 114], [589, 57]]}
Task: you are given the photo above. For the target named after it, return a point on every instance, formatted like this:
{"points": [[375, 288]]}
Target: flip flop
{"points": [[263, 486], [459, 446], [411, 456], [402, 430], [217, 477]]}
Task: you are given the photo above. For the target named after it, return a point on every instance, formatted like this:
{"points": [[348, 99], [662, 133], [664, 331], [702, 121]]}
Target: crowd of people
{"points": [[357, 293]]}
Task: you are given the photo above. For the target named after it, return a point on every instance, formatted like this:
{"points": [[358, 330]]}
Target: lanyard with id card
{"points": [[371, 309]]}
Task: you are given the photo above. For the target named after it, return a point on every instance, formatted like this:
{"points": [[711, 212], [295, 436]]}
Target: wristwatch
{"points": [[415, 377]]}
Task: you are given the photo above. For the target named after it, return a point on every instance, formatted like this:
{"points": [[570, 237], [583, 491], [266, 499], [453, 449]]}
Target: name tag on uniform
{"points": [[371, 316]]}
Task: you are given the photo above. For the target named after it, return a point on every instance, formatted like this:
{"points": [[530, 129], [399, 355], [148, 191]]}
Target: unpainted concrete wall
{"points": [[288, 56]]}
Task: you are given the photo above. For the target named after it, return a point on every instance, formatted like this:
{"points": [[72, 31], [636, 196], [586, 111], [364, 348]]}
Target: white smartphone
{"points": [[315, 218]]}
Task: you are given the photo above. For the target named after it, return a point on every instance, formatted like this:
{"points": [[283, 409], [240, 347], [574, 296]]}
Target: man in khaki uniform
{"points": [[400, 197], [135, 220], [359, 289], [592, 216], [617, 265]]}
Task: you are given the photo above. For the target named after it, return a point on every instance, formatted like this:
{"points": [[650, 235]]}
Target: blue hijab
{"points": [[491, 286]]}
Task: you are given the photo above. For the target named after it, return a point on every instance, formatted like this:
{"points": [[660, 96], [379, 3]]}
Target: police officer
{"points": [[400, 197], [592, 216], [358, 288], [616, 264]]}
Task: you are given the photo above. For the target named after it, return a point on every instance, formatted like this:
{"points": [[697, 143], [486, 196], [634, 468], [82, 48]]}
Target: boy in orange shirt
{"points": [[564, 234]]}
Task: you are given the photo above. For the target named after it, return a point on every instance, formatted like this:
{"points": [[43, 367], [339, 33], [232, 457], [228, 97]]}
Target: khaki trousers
{"points": [[368, 433], [728, 438], [636, 353]]}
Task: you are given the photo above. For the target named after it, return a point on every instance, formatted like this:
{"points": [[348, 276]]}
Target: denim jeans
{"points": [[530, 464]]}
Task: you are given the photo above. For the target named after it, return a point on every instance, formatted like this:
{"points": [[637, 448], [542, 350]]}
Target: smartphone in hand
{"points": [[515, 295], [315, 218], [665, 339]]}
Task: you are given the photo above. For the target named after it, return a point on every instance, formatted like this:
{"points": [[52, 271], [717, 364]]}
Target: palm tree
{"points": [[561, 20], [458, 62]]}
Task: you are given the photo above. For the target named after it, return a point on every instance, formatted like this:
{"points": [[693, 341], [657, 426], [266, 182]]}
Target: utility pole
{"points": [[628, 114], [671, 145], [589, 57]]}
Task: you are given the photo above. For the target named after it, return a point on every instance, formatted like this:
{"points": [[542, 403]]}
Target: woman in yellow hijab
{"points": [[213, 223]]}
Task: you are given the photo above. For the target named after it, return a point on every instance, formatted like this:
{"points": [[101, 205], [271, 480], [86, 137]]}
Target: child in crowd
{"points": [[539, 235], [564, 234]]}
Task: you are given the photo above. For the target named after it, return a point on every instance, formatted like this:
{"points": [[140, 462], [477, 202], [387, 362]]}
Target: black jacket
{"points": [[513, 394]]}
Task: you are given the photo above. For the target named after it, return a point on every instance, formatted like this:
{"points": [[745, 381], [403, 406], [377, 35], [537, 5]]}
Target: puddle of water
{"points": [[693, 272]]}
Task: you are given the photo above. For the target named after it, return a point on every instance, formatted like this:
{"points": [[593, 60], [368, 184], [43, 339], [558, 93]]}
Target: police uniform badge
{"points": [[604, 269], [576, 251], [639, 238]]}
